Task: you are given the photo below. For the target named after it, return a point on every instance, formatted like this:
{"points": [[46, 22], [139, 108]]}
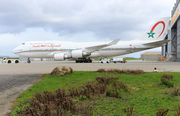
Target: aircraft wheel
{"points": [[16, 61], [28, 61], [9, 61]]}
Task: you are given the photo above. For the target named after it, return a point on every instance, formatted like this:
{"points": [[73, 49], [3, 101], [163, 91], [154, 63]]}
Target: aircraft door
{"points": [[130, 48]]}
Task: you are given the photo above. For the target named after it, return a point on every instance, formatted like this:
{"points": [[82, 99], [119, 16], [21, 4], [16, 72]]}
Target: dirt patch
{"points": [[135, 88]]}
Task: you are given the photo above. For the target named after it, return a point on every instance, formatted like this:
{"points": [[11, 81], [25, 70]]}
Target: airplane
{"points": [[82, 52]]}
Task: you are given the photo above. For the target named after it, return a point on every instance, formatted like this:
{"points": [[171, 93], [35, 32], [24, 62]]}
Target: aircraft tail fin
{"points": [[157, 31]]}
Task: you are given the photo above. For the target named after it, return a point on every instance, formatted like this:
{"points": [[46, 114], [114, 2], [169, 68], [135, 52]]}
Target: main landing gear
{"points": [[29, 61], [83, 60]]}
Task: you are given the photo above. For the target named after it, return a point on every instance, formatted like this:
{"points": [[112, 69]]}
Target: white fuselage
{"points": [[61, 50], [47, 49]]}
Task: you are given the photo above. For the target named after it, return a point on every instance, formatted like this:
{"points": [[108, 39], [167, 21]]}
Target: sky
{"points": [[77, 20]]}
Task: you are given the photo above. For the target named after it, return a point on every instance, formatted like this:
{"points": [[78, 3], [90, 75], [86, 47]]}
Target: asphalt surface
{"points": [[41, 67], [13, 80], [11, 85]]}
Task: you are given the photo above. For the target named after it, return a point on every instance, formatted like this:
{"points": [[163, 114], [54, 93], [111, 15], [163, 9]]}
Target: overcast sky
{"points": [[77, 20]]}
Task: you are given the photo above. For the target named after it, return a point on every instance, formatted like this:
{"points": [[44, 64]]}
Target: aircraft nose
{"points": [[16, 50]]}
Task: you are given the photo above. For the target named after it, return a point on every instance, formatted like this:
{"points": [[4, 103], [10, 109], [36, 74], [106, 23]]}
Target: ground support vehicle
{"points": [[105, 60], [5, 60], [119, 59]]}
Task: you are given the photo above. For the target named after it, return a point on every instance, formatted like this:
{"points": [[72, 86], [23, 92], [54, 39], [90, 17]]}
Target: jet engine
{"points": [[60, 57], [79, 53]]}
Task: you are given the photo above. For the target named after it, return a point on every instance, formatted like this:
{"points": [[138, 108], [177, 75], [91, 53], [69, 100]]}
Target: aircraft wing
{"points": [[89, 49], [157, 43], [96, 48]]}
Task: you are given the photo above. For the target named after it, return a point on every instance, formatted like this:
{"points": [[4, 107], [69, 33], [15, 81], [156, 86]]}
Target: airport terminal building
{"points": [[172, 49]]}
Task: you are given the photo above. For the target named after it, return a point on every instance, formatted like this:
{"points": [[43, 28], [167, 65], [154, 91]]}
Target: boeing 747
{"points": [[83, 51]]}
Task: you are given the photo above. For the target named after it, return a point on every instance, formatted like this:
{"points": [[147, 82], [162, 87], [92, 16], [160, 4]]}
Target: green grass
{"points": [[51, 83], [146, 95], [96, 59], [131, 58], [150, 60], [10, 58]]}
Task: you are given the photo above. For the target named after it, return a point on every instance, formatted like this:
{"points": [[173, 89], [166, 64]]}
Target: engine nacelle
{"points": [[79, 53], [60, 57]]}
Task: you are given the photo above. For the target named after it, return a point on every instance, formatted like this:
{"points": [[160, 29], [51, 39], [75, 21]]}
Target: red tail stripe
{"points": [[158, 24]]}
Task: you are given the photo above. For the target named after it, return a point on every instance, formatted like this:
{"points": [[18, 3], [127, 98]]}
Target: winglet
{"points": [[114, 42]]}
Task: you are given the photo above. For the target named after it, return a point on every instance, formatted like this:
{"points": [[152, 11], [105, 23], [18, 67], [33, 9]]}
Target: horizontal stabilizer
{"points": [[157, 43]]}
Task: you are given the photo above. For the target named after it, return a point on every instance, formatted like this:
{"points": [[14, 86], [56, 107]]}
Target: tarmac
{"points": [[41, 67], [11, 85], [16, 78]]}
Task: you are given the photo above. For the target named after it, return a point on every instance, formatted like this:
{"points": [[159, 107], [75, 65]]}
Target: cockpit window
{"points": [[23, 43]]}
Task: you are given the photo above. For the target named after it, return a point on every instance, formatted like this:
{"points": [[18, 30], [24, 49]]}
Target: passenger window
{"points": [[23, 43]]}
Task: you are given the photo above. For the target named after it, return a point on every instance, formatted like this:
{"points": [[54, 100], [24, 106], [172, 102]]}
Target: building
{"points": [[172, 49], [155, 55], [21, 58]]}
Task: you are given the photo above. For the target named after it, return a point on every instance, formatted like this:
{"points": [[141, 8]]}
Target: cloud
{"points": [[79, 20], [71, 16]]}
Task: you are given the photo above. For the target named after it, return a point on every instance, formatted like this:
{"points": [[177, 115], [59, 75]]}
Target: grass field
{"points": [[145, 96], [131, 58]]}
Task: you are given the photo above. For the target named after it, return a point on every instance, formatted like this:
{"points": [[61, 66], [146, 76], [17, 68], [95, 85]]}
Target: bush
{"points": [[106, 80], [82, 97], [132, 72], [176, 91], [114, 93], [61, 101], [116, 90], [167, 76], [166, 79], [162, 112], [101, 70], [177, 110], [128, 111]]}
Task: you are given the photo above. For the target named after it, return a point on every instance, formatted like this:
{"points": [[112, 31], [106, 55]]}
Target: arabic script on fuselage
{"points": [[52, 45]]}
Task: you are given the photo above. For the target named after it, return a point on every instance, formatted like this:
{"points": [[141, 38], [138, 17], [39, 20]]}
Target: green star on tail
{"points": [[151, 34]]}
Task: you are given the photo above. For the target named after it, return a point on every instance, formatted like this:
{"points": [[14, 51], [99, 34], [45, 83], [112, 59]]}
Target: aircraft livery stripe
{"points": [[65, 50]]}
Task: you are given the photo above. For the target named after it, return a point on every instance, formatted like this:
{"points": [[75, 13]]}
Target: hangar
{"points": [[172, 49]]}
